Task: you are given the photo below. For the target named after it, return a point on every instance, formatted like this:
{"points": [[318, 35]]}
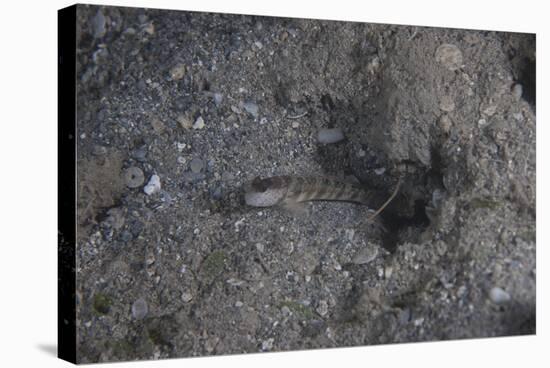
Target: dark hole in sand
{"points": [[528, 77]]}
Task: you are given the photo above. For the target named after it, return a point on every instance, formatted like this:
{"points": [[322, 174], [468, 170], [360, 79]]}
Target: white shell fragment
{"points": [[199, 123], [153, 186], [328, 136], [251, 108]]}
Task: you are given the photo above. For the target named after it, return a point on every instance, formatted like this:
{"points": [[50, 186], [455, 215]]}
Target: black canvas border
{"points": [[66, 175]]}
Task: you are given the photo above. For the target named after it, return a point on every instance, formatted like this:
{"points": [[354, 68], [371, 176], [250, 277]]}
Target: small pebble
{"points": [[199, 123], [227, 176], [437, 197], [140, 309], [99, 150], [98, 24], [404, 316], [191, 177], [196, 165], [286, 311], [186, 297], [158, 125], [499, 296], [446, 104], [490, 110], [517, 91], [450, 56], [177, 72], [133, 176], [365, 255], [295, 124], [149, 259], [374, 65], [251, 108], [260, 247], [218, 98], [126, 236], [139, 153], [216, 193], [238, 224], [153, 186], [322, 308], [238, 304], [149, 28], [115, 218], [327, 136], [380, 170], [461, 291], [445, 123], [185, 122], [518, 116], [130, 31], [235, 282], [267, 344], [388, 270], [350, 234]]}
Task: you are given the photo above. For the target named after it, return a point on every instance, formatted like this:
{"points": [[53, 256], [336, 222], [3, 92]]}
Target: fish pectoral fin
{"points": [[296, 208]]}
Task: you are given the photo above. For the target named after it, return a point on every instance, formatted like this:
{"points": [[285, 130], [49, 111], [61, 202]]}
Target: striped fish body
{"points": [[288, 190]]}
